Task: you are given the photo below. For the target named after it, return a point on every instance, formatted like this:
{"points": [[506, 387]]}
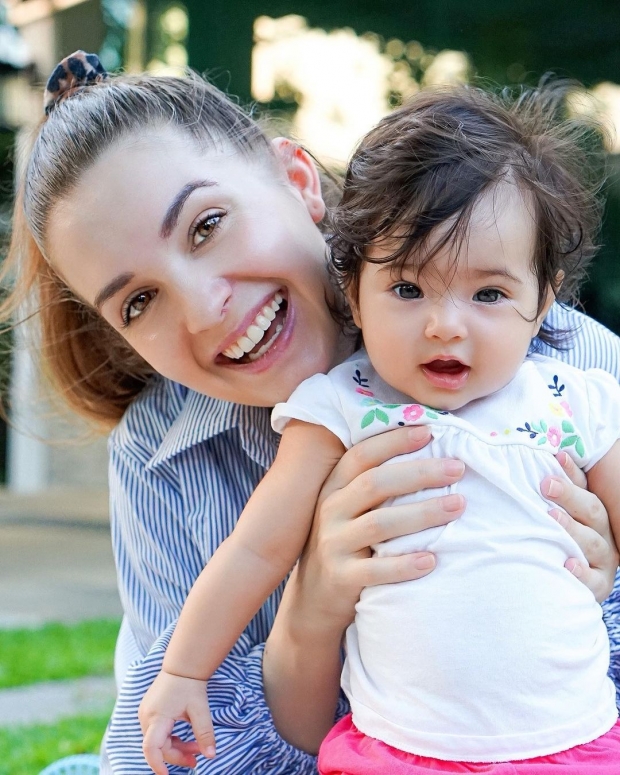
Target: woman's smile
{"points": [[256, 338]]}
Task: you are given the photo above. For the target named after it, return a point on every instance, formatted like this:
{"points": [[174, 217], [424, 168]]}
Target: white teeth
{"points": [[262, 350], [245, 344], [256, 331]]}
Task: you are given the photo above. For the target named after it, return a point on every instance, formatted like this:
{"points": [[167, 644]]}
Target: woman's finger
{"points": [[593, 545], [392, 570], [582, 505], [371, 452], [373, 487], [572, 470], [599, 582], [382, 524]]}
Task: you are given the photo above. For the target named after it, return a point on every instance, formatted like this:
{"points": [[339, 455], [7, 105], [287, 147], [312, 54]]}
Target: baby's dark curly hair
{"points": [[430, 161]]}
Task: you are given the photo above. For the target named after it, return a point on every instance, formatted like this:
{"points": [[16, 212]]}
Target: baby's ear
{"points": [[302, 174]]}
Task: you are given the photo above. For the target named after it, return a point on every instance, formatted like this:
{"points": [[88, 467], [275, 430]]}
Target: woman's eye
{"points": [[136, 306], [204, 228], [488, 295], [407, 291]]}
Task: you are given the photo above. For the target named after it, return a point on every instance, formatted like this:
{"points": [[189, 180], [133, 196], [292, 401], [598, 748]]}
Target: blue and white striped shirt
{"points": [[182, 466]]}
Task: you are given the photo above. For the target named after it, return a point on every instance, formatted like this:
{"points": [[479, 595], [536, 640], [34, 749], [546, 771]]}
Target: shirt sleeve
{"points": [[603, 401], [153, 586], [315, 401]]}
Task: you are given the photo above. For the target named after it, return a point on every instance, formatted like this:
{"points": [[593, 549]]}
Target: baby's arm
{"points": [[242, 573], [603, 482]]}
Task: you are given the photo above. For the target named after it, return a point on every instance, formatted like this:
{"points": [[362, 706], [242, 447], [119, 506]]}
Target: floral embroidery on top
{"points": [[556, 387], [411, 412], [558, 438]]}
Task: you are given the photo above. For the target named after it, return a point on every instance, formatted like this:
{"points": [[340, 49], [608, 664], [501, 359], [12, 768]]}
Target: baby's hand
{"points": [[173, 698]]}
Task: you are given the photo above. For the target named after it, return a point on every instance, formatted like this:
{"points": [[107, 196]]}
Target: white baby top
{"points": [[500, 653]]}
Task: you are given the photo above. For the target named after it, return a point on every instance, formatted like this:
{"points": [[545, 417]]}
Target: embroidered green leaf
{"points": [[567, 427], [579, 447], [544, 426], [368, 418], [382, 416], [537, 427], [568, 441], [541, 440], [391, 406], [431, 415]]}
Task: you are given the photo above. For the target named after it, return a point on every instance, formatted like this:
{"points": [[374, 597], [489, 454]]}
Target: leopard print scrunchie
{"points": [[69, 76]]}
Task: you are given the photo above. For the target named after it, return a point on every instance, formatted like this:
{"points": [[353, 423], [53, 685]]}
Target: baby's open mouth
{"points": [[260, 334], [446, 367], [446, 373]]}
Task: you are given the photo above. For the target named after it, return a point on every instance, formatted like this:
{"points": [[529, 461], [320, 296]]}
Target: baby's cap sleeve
{"points": [[315, 401], [603, 400]]}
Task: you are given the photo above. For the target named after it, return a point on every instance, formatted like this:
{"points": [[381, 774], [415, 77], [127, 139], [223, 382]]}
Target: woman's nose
{"points": [[446, 321], [205, 302]]}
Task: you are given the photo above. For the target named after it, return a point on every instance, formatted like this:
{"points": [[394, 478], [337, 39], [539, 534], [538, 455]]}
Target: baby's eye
{"points": [[407, 291], [488, 295], [204, 227], [136, 305]]}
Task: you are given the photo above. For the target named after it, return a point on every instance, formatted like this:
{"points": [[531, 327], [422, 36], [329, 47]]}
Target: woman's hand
{"points": [[301, 665], [584, 517]]}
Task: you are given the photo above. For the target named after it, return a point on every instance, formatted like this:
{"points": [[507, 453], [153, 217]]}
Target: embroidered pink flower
{"points": [[567, 408], [493, 433], [413, 412], [554, 436], [364, 392]]}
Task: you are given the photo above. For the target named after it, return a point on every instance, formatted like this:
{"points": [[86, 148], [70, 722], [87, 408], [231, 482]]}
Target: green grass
{"points": [[57, 651], [28, 750]]}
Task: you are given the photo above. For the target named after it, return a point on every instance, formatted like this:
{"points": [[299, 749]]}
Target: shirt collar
{"points": [[202, 417]]}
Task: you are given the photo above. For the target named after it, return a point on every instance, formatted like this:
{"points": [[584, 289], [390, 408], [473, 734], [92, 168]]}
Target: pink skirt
{"points": [[346, 751]]}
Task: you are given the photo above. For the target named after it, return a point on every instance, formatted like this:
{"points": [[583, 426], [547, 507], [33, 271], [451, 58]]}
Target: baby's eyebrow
{"points": [[496, 272], [171, 218]]}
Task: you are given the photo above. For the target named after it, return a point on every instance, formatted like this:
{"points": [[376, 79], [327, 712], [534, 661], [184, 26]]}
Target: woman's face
{"points": [[197, 257]]}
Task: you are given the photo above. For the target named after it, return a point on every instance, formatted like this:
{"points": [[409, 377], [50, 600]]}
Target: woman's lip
{"points": [[248, 320], [274, 352], [445, 380]]}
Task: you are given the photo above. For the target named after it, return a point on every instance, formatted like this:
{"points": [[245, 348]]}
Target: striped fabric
{"points": [[182, 466]]}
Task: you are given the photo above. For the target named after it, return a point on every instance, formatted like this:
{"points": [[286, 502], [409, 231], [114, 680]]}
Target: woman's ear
{"points": [[302, 174]]}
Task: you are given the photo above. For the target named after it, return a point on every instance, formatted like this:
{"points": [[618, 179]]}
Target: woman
{"points": [[160, 228]]}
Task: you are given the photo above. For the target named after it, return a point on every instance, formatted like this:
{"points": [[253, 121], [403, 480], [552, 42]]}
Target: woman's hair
{"points": [[87, 361], [430, 161]]}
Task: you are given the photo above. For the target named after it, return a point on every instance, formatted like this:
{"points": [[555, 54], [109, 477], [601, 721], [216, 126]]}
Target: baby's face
{"points": [[457, 332]]}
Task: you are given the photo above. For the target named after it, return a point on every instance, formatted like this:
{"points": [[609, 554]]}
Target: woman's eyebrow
{"points": [[112, 288], [171, 218]]}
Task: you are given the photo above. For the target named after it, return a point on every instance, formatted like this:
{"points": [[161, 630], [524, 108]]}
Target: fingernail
{"points": [[424, 562], [559, 516], [210, 752], [562, 458], [453, 467], [419, 433], [574, 567], [553, 488], [452, 503]]}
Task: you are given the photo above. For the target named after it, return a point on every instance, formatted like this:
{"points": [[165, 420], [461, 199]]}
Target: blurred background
{"points": [[326, 71]]}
